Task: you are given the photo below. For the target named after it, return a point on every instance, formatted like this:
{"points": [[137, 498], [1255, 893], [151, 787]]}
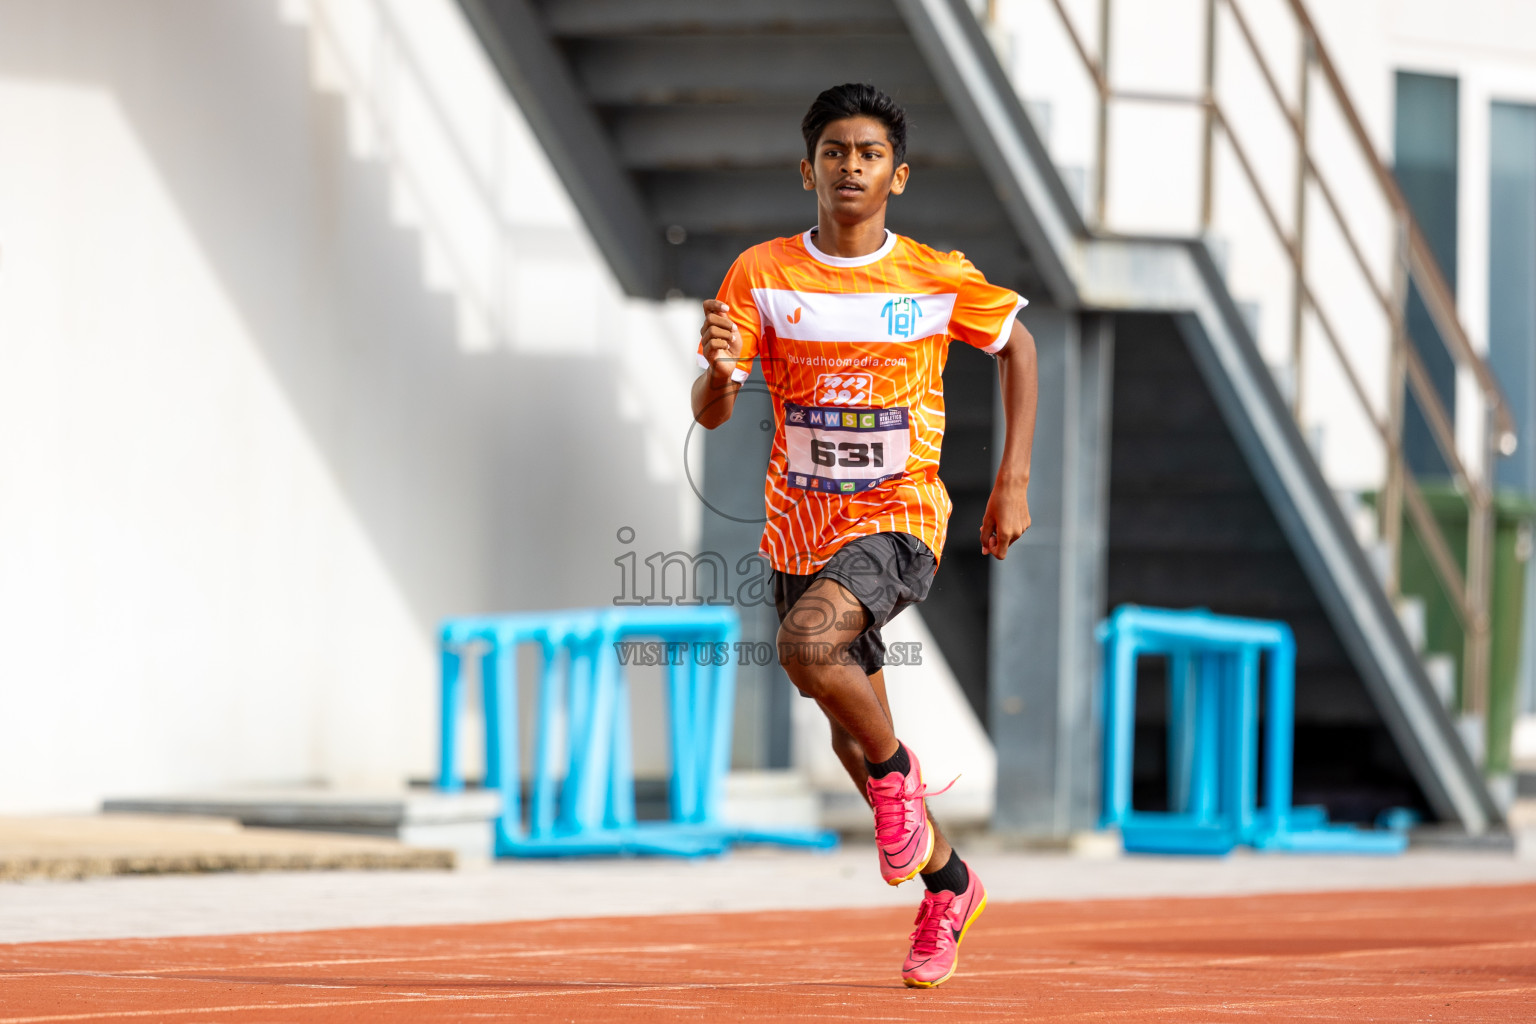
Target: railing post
{"points": [[1101, 198], [1480, 530], [1207, 155], [1299, 228], [1391, 510]]}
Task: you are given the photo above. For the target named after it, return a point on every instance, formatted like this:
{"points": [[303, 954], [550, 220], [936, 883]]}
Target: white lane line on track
{"points": [[1292, 917], [1161, 1013]]}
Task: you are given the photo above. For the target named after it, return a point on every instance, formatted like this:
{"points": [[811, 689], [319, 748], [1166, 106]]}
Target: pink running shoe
{"points": [[902, 831], [943, 918]]}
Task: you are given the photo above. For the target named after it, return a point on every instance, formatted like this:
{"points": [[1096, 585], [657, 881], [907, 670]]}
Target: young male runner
{"points": [[852, 324]]}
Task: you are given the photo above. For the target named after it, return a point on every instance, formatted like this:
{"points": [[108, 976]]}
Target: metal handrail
{"points": [[1412, 263], [1423, 265]]}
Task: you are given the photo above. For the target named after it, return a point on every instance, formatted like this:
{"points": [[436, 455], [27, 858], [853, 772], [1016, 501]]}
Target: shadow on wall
{"points": [[484, 481]]}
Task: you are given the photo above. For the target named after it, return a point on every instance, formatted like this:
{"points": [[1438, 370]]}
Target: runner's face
{"points": [[854, 171]]}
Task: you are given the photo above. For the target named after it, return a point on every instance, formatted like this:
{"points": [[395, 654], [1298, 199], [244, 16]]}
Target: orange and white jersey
{"points": [[852, 350]]}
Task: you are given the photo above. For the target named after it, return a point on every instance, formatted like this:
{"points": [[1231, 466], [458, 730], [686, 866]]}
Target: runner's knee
{"points": [[807, 662]]}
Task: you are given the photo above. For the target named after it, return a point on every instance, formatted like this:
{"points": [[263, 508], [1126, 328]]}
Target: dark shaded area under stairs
{"points": [[1189, 527]]}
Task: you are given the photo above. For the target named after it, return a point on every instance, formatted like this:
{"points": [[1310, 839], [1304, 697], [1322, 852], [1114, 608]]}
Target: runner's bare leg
{"points": [[851, 755], [813, 644]]}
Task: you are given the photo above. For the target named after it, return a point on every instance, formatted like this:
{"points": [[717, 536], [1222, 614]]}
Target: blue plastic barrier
{"points": [[582, 791], [1213, 738]]}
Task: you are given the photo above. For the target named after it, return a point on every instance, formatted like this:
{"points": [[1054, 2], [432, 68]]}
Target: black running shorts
{"points": [[885, 571]]}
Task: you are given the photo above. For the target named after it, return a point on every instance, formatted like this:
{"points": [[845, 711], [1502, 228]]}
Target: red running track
{"points": [[1424, 955]]}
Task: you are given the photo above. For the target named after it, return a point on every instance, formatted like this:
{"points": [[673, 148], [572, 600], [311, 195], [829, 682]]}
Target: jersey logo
{"points": [[901, 316], [845, 389], [864, 318]]}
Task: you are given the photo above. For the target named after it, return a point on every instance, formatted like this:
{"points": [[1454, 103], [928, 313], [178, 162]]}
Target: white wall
{"points": [[263, 423]]}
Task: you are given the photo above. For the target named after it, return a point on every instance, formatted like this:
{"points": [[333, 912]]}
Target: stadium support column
{"points": [[735, 463], [1049, 594]]}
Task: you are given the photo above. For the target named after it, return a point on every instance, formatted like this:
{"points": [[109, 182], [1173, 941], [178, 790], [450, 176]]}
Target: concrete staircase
{"points": [[676, 124]]}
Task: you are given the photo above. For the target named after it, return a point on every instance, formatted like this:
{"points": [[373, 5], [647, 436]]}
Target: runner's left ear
{"points": [[899, 180]]}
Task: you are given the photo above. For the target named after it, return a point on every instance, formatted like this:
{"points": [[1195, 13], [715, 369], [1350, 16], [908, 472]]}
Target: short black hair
{"points": [[855, 100]]}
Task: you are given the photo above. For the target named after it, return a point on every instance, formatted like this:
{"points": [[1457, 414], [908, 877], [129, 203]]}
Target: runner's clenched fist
{"points": [[721, 341]]}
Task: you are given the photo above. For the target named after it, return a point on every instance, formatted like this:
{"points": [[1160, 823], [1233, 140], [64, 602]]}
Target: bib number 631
{"points": [[852, 454]]}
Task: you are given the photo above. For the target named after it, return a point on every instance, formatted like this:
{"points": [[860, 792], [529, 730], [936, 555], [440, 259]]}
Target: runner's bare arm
{"points": [[1008, 508], [714, 393]]}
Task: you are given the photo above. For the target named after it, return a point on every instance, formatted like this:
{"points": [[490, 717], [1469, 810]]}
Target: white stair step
{"points": [[1360, 516], [1317, 437], [1441, 669], [1410, 612], [1285, 381], [1503, 790], [1220, 248], [461, 821], [1380, 557], [1473, 734], [1523, 745], [1076, 181], [771, 799], [1041, 115], [1249, 311]]}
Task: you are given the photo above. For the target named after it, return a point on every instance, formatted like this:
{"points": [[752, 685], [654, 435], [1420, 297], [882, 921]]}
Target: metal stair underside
{"points": [[685, 115], [680, 119]]}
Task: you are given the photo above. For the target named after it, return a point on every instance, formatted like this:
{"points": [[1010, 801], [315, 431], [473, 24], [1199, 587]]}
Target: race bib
{"points": [[844, 451]]}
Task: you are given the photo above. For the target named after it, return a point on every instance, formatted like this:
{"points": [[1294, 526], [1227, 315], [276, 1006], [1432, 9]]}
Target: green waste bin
{"points": [[1513, 518]]}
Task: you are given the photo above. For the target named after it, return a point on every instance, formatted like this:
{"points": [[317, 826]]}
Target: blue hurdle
{"points": [[590, 808], [1213, 702]]}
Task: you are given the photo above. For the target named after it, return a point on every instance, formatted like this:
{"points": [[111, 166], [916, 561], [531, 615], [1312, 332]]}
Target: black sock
{"points": [[952, 876], [897, 763]]}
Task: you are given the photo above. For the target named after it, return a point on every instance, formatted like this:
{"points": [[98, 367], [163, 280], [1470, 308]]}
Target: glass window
{"points": [[1512, 318], [1426, 167], [1512, 276]]}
